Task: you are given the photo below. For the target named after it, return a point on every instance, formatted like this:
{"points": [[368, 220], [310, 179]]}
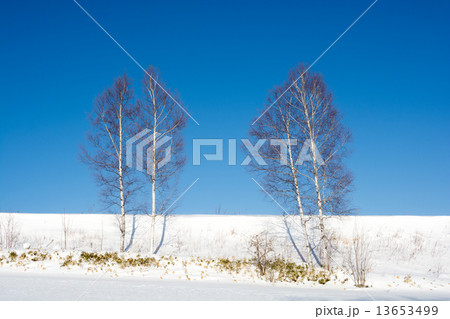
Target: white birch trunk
{"points": [[121, 188], [319, 201], [300, 208], [152, 231]]}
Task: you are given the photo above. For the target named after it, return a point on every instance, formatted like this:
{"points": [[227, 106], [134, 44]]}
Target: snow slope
{"points": [[410, 257]]}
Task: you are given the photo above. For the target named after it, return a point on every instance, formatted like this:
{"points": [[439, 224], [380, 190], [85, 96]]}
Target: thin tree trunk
{"points": [[323, 236], [122, 211], [312, 136], [303, 222], [65, 225], [65, 230], [305, 229], [152, 239], [122, 195], [300, 207]]}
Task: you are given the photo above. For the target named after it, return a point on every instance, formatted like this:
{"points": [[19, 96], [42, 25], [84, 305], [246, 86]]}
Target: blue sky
{"points": [[389, 75]]}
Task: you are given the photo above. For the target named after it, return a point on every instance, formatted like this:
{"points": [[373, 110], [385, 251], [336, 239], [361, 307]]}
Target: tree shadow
{"points": [[163, 233], [133, 232], [315, 256], [291, 237]]}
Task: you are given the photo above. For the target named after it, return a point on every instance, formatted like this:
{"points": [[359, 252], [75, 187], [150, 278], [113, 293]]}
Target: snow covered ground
{"points": [[14, 286], [410, 258]]}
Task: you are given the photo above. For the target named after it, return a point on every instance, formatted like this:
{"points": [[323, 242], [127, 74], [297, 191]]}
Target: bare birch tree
{"points": [[359, 257], [327, 145], [165, 120], [9, 231], [112, 123], [66, 226], [278, 165], [312, 142]]}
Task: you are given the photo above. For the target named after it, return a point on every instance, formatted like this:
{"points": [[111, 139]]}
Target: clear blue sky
{"points": [[389, 75]]}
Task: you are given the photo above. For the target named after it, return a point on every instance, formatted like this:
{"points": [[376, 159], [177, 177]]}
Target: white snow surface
{"points": [[410, 258]]}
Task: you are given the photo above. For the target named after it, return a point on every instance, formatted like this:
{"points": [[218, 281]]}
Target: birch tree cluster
{"points": [[304, 163], [119, 114]]}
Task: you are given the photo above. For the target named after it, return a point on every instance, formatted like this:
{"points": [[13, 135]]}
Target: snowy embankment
{"points": [[409, 257]]}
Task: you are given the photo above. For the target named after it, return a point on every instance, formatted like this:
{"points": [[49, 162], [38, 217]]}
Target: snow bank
{"points": [[407, 250]]}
